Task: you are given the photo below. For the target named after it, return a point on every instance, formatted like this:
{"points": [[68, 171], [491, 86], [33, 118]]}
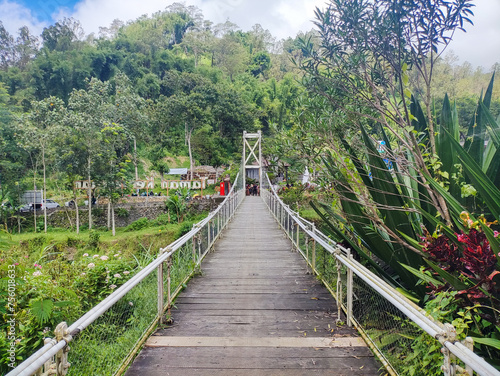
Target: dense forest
{"points": [[403, 143], [157, 86]]}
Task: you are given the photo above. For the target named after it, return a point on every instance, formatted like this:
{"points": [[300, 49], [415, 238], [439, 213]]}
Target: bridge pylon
{"points": [[252, 156]]}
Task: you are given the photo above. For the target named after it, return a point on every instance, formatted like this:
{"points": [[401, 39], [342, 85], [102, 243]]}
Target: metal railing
{"points": [[106, 338], [387, 320]]}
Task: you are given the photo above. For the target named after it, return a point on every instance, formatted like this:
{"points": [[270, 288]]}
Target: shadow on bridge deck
{"points": [[255, 311]]}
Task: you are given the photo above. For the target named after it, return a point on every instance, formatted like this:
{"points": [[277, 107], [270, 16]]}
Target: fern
{"points": [[42, 310]]}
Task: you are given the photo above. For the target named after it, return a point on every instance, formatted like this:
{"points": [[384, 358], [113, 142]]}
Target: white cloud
{"points": [[480, 45], [95, 13], [15, 16], [283, 18]]}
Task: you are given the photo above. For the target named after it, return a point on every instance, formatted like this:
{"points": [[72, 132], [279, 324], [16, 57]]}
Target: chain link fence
{"points": [[105, 339], [388, 321]]}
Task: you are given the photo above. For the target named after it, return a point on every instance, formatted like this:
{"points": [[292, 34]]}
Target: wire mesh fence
{"points": [[388, 321], [101, 348], [104, 340]]}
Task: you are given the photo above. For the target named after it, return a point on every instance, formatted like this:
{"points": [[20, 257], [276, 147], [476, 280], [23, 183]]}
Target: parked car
{"points": [[25, 208], [51, 204]]}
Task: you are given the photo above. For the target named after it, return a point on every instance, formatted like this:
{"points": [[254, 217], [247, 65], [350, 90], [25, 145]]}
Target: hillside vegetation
{"points": [[402, 145]]}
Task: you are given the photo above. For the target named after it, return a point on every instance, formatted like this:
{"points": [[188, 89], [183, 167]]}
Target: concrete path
{"points": [[254, 311]]}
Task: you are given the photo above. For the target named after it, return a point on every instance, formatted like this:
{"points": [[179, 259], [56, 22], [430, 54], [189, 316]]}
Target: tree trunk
{"points": [[135, 160], [190, 154], [44, 194], [77, 211], [113, 229], [109, 214], [66, 210], [34, 200], [77, 217], [89, 193]]}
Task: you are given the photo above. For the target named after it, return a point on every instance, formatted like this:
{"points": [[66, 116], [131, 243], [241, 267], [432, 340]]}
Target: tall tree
{"points": [[130, 112], [6, 48], [43, 124], [25, 48], [90, 109]]}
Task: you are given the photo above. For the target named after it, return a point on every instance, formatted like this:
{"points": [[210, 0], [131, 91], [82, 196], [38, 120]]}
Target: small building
{"points": [[212, 174]]}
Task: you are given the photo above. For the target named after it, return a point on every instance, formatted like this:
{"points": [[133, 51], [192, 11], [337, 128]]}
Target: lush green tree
{"points": [[130, 113], [26, 47], [12, 158], [261, 63], [41, 126], [111, 171], [62, 35], [230, 55], [71, 162], [90, 109], [6, 48]]}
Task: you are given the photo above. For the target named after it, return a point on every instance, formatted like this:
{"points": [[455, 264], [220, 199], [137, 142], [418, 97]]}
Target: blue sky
{"points": [[480, 45], [43, 10]]}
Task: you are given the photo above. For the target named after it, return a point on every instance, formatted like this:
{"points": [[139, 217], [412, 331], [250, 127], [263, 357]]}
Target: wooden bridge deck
{"points": [[254, 311]]}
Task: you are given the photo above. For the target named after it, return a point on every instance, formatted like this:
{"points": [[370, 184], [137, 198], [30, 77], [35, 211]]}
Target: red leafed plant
{"points": [[471, 259]]}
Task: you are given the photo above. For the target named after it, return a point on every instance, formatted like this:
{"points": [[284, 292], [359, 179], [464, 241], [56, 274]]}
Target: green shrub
{"points": [[161, 220], [137, 225], [97, 212], [72, 242], [184, 228], [94, 238], [122, 213]]}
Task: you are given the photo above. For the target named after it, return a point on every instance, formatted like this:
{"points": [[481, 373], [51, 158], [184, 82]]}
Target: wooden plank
{"points": [[259, 352], [255, 310], [172, 371], [319, 342]]}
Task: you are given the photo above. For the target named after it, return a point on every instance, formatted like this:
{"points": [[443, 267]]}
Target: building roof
{"points": [[178, 171]]}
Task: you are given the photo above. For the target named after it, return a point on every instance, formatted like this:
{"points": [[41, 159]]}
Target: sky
{"points": [[480, 46]]}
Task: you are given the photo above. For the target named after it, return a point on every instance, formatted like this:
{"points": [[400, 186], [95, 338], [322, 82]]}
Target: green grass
{"points": [[309, 214]]}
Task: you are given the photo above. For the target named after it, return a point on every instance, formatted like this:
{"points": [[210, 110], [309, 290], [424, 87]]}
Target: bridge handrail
{"points": [[52, 346], [444, 333]]}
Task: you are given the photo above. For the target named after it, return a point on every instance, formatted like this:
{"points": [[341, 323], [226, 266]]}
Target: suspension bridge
{"points": [[252, 289]]}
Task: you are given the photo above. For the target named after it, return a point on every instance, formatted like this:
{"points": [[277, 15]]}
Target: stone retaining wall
{"points": [[66, 217]]}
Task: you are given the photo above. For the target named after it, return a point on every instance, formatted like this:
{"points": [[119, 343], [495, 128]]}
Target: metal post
{"points": [[244, 172], [469, 343], [349, 291], [313, 255], [339, 286], [448, 367], [260, 159], [169, 296], [160, 290], [306, 239], [193, 246], [199, 252], [62, 364], [298, 236], [209, 234], [288, 224]]}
